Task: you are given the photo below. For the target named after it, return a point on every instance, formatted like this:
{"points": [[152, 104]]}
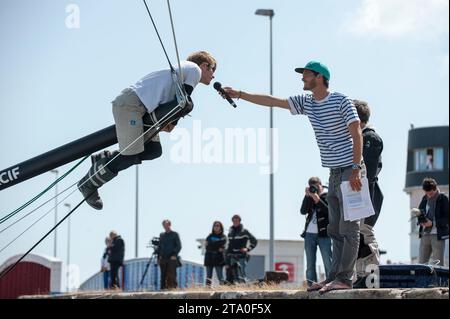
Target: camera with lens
{"points": [[420, 214], [313, 189], [155, 241]]}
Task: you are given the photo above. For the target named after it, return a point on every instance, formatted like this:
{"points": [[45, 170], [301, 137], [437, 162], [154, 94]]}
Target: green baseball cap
{"points": [[316, 67]]}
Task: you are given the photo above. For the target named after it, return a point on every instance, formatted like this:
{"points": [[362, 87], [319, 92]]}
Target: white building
{"points": [[427, 157]]}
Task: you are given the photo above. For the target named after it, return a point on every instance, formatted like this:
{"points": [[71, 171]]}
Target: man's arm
{"points": [[355, 132], [169, 127], [121, 248], [253, 240], [323, 201], [177, 244], [372, 148], [445, 207], [261, 99], [306, 205], [188, 89]]}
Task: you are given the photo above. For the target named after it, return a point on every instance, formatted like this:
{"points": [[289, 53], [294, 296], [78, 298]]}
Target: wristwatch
{"points": [[356, 166]]}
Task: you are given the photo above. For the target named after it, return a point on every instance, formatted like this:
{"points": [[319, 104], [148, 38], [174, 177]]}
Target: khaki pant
{"points": [[128, 111], [432, 247], [372, 259], [344, 234]]}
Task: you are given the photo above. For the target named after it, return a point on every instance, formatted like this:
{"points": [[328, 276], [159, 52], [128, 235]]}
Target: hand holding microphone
{"points": [[224, 94]]}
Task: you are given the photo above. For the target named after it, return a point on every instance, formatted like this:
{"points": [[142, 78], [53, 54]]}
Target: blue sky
{"points": [[56, 85]]}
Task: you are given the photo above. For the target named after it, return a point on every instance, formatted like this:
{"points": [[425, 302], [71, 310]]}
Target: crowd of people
{"points": [[349, 147], [229, 252]]}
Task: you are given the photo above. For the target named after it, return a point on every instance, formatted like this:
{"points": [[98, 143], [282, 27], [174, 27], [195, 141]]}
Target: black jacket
{"points": [[372, 149], [169, 245], [215, 250], [238, 238], [307, 209], [117, 250], [440, 215]]}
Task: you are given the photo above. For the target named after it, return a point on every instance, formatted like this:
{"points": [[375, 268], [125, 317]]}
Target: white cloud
{"points": [[397, 18]]}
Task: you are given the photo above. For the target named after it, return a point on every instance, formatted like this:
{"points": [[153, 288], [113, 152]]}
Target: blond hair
{"points": [[200, 57]]}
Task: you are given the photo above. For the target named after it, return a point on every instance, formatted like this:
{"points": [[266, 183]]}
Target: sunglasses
{"points": [[211, 67]]}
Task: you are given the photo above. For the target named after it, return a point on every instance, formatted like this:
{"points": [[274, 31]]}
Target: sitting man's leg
{"points": [[99, 174], [106, 166], [128, 112], [152, 149]]}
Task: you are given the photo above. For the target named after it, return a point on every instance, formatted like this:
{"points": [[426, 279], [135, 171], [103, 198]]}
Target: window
{"points": [[429, 159]]}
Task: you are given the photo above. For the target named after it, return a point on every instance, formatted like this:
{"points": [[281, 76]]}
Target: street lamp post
{"points": [[55, 171], [68, 247], [137, 212], [270, 13]]}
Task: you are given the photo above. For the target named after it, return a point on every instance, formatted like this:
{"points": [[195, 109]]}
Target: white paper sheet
{"points": [[357, 205]]}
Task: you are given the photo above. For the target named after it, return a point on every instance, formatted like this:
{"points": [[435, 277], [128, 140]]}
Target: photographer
{"points": [[240, 242], [168, 250], [433, 222], [314, 206]]}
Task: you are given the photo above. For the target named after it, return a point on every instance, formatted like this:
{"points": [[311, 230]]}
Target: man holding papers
{"points": [[338, 133]]}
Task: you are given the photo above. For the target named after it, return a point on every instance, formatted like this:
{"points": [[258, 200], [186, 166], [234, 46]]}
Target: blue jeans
{"points": [[106, 279], [209, 274], [236, 268], [242, 275], [311, 243]]}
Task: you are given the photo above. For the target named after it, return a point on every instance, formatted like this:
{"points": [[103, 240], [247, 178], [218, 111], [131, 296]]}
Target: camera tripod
{"points": [[153, 258]]}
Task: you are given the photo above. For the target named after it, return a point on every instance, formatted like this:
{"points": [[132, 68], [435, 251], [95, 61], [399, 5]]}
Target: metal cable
{"points": [[8, 216]]}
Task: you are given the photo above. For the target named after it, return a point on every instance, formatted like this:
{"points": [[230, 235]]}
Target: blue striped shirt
{"points": [[329, 118]]}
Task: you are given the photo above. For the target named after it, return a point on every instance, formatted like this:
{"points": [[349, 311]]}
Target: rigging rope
{"points": [[175, 42], [3, 274], [158, 126], [10, 215]]}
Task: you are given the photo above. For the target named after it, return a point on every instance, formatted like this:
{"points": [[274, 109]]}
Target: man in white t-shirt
{"points": [[151, 99]]}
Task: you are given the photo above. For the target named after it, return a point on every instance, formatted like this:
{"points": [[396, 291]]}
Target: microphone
{"points": [[219, 88]]}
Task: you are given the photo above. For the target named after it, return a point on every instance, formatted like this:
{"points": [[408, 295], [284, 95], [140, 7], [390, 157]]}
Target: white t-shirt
{"points": [[330, 119], [157, 87], [312, 226]]}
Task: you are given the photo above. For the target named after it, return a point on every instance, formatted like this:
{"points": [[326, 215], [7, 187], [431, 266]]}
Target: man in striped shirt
{"points": [[336, 125]]}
